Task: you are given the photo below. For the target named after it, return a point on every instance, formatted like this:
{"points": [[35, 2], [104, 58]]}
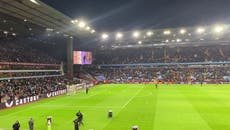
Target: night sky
{"points": [[127, 15]]}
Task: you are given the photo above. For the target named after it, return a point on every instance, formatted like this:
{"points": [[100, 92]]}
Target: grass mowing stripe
{"points": [[174, 112], [170, 107], [131, 99], [116, 95], [215, 113], [123, 106], [139, 111], [74, 107]]}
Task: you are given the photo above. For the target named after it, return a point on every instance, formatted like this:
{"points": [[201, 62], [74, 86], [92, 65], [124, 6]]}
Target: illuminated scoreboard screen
{"points": [[82, 57]]}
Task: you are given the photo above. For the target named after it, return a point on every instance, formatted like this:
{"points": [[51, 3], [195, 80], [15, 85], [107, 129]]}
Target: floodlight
{"points": [[5, 32], [14, 34], [187, 40], [119, 35], [35, 2], [182, 31], [82, 24], [139, 42], [72, 21], [200, 30], [167, 41], [93, 31], [167, 32], [149, 33], [87, 28], [136, 34], [218, 29], [178, 40], [104, 36], [49, 29]]}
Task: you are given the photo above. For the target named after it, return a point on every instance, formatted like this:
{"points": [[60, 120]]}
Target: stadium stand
{"points": [[163, 55], [188, 64], [163, 74], [21, 88], [12, 50], [26, 71]]}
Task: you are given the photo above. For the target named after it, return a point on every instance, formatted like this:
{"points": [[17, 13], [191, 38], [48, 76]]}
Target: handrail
{"points": [[28, 64], [29, 77], [19, 71], [165, 64]]}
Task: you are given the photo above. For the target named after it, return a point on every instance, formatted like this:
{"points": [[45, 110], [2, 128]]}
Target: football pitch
{"points": [[168, 107]]}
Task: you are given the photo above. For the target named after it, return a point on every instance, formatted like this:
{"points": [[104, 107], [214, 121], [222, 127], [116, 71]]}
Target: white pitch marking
{"points": [[131, 98]]}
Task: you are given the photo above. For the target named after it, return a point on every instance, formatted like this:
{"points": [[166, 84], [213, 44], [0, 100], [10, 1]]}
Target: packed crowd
{"points": [[27, 71], [163, 55], [21, 88], [13, 50], [174, 75]]}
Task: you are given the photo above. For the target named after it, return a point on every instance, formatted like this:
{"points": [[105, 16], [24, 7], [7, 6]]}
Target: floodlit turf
{"points": [[169, 107]]}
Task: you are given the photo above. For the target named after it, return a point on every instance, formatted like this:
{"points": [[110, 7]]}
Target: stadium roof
{"points": [[37, 17], [38, 13]]}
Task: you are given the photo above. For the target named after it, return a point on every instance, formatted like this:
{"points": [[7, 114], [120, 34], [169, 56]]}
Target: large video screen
{"points": [[82, 57]]}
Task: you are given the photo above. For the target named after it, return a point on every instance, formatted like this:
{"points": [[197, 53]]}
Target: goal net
{"points": [[72, 89]]}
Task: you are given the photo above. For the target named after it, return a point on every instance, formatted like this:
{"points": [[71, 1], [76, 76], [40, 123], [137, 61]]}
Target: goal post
{"points": [[72, 89]]}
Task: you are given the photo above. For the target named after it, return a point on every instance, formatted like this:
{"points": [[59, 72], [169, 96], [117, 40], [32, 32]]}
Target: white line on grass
{"points": [[28, 107], [58, 106], [12, 113], [125, 104], [37, 105], [89, 96], [131, 98]]}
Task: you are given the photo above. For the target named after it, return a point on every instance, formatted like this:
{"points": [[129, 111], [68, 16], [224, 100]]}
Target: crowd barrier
{"points": [[165, 64], [144, 82]]}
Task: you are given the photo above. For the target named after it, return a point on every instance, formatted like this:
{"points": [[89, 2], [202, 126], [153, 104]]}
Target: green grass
{"points": [[170, 107]]}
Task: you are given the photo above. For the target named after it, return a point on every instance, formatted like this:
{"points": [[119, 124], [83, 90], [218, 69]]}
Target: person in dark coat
{"points": [[16, 125], [80, 118], [86, 90], [31, 124], [76, 124]]}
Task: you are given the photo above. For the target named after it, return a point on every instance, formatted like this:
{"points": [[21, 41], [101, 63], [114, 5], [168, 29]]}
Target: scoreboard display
{"points": [[82, 57]]}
